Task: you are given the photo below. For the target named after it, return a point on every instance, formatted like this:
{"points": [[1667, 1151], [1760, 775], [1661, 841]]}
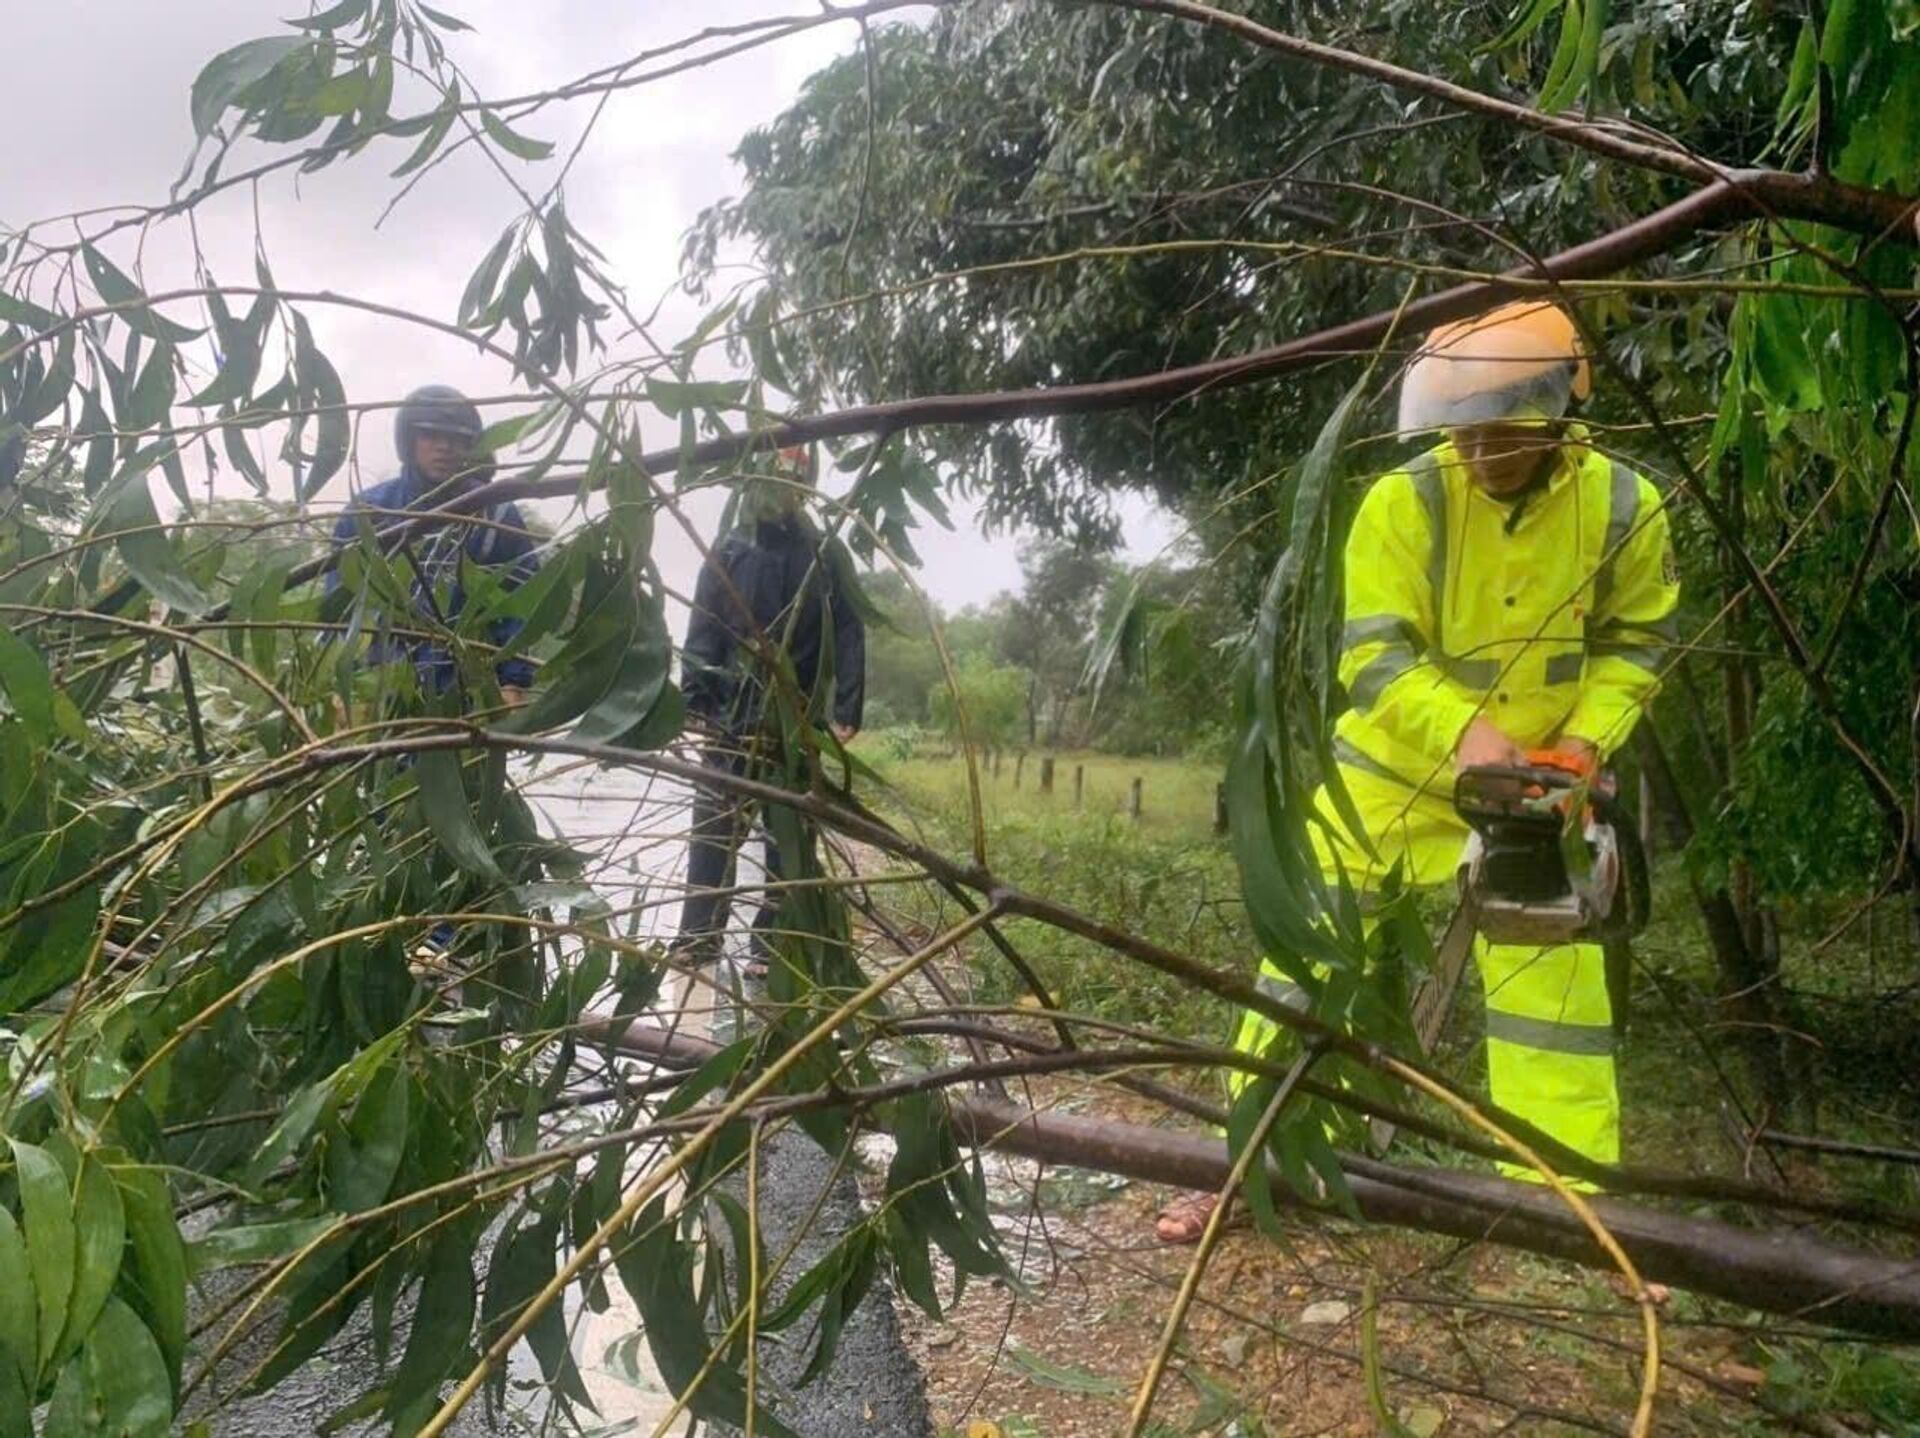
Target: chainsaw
{"points": [[1535, 871]]}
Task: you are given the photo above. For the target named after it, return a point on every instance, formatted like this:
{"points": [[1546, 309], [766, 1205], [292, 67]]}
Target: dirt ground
{"points": [[1470, 1340]]}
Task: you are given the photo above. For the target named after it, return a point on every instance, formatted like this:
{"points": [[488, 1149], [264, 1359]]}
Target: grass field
{"points": [[1176, 794], [1166, 876]]}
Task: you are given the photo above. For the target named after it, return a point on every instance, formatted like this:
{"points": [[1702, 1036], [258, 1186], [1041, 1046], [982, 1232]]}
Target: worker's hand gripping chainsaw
{"points": [[1534, 870]]}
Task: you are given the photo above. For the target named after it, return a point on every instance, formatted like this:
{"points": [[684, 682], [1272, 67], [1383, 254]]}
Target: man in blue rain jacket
{"points": [[437, 432]]}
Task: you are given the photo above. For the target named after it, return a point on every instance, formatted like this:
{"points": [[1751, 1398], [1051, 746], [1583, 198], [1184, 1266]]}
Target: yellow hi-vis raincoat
{"points": [[1550, 615]]}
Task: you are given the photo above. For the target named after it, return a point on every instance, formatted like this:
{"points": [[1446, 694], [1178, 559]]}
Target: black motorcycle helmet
{"points": [[438, 407]]}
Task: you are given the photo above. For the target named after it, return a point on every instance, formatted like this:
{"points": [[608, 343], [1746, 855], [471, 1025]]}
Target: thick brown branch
{"points": [[1786, 1273], [1777, 1272]]}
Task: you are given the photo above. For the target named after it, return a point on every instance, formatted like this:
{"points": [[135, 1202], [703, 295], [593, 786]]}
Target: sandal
{"points": [[1185, 1218]]}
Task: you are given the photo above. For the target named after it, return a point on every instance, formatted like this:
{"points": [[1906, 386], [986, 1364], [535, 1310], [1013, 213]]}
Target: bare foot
{"points": [[1185, 1219], [1658, 1292]]}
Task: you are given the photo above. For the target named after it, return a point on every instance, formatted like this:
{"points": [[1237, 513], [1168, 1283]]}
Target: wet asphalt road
{"points": [[873, 1387]]}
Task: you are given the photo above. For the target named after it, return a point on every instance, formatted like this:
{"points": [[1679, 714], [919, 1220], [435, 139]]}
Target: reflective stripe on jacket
{"points": [[1551, 614]]}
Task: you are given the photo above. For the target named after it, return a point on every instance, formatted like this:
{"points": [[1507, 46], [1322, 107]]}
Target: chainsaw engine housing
{"points": [[1529, 876]]}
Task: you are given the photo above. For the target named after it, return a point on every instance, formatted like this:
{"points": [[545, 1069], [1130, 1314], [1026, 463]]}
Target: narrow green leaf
{"points": [[1586, 56], [336, 17], [320, 386], [233, 439], [51, 392], [17, 311], [117, 289], [1062, 1378], [436, 133], [98, 431], [363, 1159], [241, 344], [47, 1207], [505, 433], [116, 1386], [480, 287], [636, 687], [521, 1268], [450, 815], [657, 1270], [1795, 102], [521, 146], [52, 946], [100, 1227], [230, 72], [377, 106], [263, 609], [151, 398], [157, 1282], [146, 550], [341, 95], [28, 685], [297, 1121], [442, 1321], [19, 1321], [444, 20], [1565, 52], [254, 1243], [675, 398], [1531, 15]]}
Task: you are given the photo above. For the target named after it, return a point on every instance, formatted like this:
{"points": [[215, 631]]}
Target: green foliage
{"points": [[986, 703]]}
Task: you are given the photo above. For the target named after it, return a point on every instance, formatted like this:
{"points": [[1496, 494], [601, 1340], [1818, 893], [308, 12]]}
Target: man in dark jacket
{"points": [[437, 432], [770, 583]]}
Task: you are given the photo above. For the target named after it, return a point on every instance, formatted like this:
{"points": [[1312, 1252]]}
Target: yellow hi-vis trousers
{"points": [[1549, 1020]]}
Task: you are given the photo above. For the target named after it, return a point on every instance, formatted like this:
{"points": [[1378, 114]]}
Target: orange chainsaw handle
{"points": [[1570, 761], [1581, 765]]}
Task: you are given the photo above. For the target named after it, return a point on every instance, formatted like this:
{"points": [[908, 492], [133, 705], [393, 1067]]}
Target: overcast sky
{"points": [[94, 113]]}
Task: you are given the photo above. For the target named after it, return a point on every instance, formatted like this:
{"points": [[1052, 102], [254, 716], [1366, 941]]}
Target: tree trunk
{"points": [[1756, 996]]}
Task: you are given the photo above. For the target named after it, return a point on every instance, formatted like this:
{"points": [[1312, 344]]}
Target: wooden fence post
{"points": [[1046, 774], [1219, 808], [1133, 799], [1079, 783]]}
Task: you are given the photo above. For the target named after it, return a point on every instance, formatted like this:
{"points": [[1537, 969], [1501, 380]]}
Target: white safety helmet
{"points": [[1522, 361]]}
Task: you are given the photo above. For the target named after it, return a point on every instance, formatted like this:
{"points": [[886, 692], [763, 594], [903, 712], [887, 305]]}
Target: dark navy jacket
{"points": [[783, 574], [434, 566]]}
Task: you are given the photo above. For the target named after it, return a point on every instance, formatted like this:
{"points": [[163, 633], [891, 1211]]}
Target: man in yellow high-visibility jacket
{"points": [[1511, 589]]}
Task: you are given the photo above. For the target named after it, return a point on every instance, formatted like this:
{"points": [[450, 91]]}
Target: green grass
{"points": [[1166, 877]]}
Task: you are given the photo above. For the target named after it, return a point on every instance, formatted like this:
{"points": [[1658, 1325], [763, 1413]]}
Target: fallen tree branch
{"points": [[1839, 1148], [1778, 1271], [1720, 201], [1781, 1272]]}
